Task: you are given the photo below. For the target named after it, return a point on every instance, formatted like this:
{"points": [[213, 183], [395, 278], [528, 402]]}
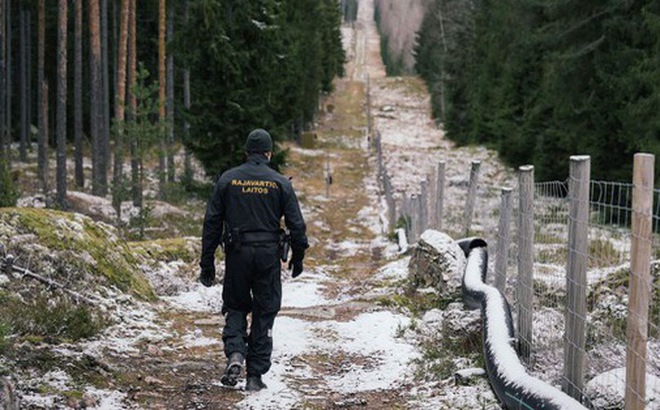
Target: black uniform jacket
{"points": [[253, 198]]}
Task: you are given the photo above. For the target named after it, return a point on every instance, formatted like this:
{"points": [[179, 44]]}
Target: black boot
{"points": [[254, 383], [233, 371]]}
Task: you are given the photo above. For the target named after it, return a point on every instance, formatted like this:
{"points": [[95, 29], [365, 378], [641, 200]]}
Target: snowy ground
{"points": [[340, 340]]}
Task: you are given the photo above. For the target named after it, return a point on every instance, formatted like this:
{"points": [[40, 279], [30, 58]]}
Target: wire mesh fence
{"points": [[603, 254], [608, 273]]}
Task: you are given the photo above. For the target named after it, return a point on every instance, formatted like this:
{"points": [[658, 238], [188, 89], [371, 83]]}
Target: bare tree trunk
{"points": [[4, 157], [44, 173], [24, 90], [187, 167], [62, 26], [105, 102], [120, 105], [28, 97], [136, 187], [42, 96], [171, 171], [96, 93], [77, 96], [161, 97], [115, 41], [9, 83]]}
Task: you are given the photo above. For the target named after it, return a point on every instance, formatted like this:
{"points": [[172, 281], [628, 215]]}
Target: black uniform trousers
{"points": [[252, 284]]}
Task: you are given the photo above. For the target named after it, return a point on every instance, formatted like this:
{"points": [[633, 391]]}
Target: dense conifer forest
{"points": [[541, 81], [118, 81]]}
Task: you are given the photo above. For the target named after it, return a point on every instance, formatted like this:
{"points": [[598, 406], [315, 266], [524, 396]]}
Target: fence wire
{"points": [[606, 255], [608, 272]]}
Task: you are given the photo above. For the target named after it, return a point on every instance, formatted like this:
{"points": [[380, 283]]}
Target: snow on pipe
{"points": [[514, 388]]}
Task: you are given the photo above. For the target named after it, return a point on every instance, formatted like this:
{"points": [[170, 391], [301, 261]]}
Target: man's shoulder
{"points": [[230, 173], [283, 180], [276, 175]]}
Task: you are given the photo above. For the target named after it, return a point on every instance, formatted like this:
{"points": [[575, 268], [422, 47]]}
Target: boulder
{"points": [[607, 390], [437, 261], [8, 399]]}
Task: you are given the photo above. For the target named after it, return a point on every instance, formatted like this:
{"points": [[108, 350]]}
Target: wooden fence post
{"points": [[439, 195], [640, 281], [525, 289], [405, 213], [328, 177], [431, 198], [369, 107], [389, 200], [424, 207], [472, 196], [576, 275], [411, 219], [414, 218], [379, 154], [503, 238]]}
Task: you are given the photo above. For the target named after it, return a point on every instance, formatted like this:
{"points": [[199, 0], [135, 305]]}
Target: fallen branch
{"points": [[9, 266]]}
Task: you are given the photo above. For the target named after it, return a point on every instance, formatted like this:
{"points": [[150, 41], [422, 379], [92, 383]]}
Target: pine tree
{"points": [[104, 116], [169, 93], [256, 64], [120, 107], [136, 187], [96, 95], [333, 53], [162, 158], [42, 87], [8, 78], [78, 94], [24, 56], [4, 147], [143, 132], [187, 172], [62, 28]]}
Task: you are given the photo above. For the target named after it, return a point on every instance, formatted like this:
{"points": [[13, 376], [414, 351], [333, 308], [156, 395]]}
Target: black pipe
{"points": [[514, 388]]}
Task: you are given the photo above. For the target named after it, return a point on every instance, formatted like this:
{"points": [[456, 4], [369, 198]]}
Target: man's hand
{"points": [[296, 263], [296, 268], [207, 276]]}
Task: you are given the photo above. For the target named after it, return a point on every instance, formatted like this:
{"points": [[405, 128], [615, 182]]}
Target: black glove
{"points": [[296, 262], [207, 276]]}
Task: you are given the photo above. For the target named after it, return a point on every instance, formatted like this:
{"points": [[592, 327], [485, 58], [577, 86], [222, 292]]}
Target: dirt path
{"points": [[339, 342], [334, 345]]}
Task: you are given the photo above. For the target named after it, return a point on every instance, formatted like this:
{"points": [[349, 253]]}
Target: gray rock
{"points": [[8, 399], [607, 390], [437, 261], [464, 377]]}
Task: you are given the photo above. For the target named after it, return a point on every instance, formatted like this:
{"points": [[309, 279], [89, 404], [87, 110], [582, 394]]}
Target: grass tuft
{"points": [[45, 317]]}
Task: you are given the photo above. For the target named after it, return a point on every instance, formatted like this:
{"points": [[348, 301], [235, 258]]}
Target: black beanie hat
{"points": [[259, 140]]}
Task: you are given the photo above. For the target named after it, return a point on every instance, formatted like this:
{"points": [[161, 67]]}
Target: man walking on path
{"points": [[244, 214]]}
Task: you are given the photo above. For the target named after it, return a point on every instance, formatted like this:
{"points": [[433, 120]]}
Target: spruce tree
{"points": [[255, 64]]}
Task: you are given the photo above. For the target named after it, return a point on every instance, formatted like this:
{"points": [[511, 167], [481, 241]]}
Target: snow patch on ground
{"points": [[368, 216], [304, 291], [107, 399], [447, 395], [199, 299], [371, 335], [57, 379], [291, 338], [197, 340], [607, 390], [136, 323], [396, 270], [46, 401], [374, 335]]}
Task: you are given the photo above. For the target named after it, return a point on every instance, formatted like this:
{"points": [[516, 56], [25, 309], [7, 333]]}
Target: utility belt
{"points": [[234, 239]]}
